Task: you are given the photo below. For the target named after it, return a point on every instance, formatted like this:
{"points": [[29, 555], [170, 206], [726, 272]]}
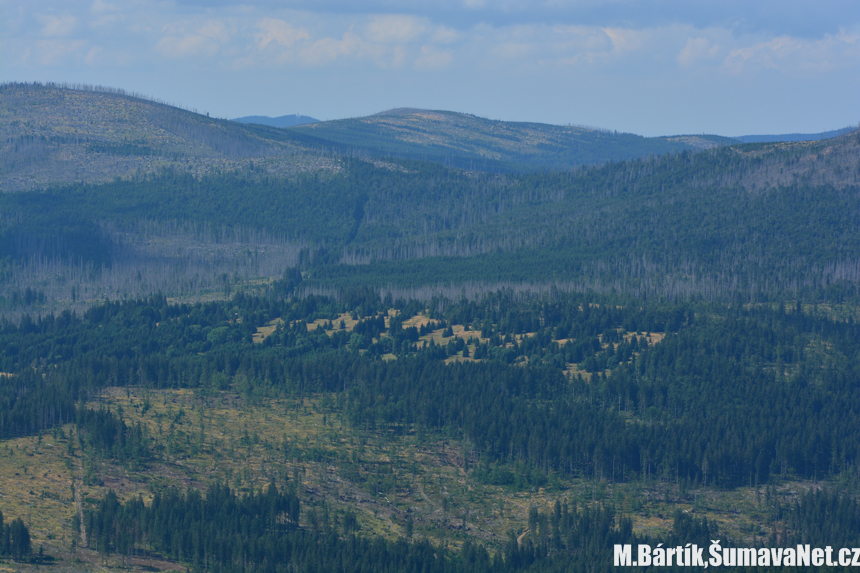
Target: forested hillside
{"points": [[755, 222], [420, 341], [550, 396]]}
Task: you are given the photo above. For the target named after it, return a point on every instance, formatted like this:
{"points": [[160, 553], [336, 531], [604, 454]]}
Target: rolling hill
{"points": [[470, 142], [795, 136], [53, 134]]}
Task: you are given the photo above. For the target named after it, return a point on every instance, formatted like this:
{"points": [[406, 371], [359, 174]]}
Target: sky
{"points": [[652, 67]]}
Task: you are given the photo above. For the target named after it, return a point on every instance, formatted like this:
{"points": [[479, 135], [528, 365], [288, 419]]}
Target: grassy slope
{"points": [[242, 445]]}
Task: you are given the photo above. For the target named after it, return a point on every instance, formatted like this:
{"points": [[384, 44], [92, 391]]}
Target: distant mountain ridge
{"points": [[54, 134], [795, 136], [281, 121], [702, 141], [470, 142]]}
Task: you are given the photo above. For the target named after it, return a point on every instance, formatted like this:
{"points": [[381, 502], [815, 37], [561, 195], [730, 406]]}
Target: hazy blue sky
{"points": [[654, 67]]}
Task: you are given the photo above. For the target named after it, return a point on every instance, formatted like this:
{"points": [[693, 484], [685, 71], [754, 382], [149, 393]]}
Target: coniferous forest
{"points": [[277, 352]]}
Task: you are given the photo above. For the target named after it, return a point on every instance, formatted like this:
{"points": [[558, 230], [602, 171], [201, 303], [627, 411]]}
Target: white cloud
{"points": [[763, 54], [57, 26], [101, 7], [102, 14], [93, 55], [696, 50], [796, 55], [327, 50], [562, 45], [385, 41], [395, 29], [432, 59], [55, 52], [445, 35], [627, 40], [580, 45], [279, 32], [514, 50], [183, 40], [215, 29]]}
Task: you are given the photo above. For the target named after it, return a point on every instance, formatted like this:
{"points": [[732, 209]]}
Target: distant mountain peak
{"points": [[400, 111], [281, 121], [472, 142], [785, 137]]}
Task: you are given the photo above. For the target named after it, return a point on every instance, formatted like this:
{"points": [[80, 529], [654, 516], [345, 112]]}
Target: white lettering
{"points": [[622, 555], [669, 553], [746, 557], [691, 555], [730, 556], [817, 557], [716, 555], [789, 557], [697, 557], [777, 556]]}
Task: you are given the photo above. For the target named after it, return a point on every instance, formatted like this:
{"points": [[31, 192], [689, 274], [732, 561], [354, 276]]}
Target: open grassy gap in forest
{"points": [[382, 478]]}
